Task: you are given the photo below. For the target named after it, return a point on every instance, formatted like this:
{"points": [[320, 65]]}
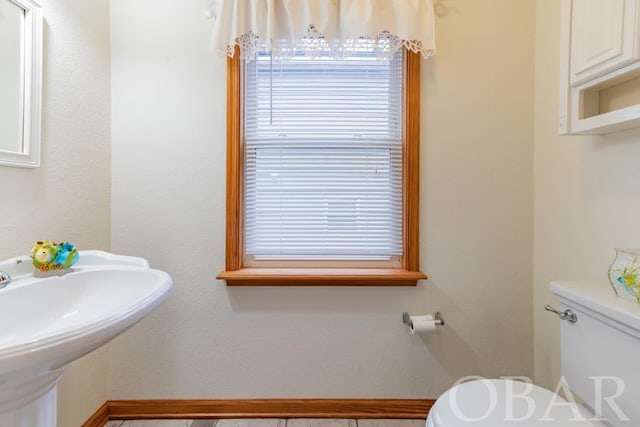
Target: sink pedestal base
{"points": [[30, 403]]}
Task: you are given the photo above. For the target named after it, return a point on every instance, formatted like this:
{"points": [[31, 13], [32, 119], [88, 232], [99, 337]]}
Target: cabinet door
{"points": [[603, 37]]}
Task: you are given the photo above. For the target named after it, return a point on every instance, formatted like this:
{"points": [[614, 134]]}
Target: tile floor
{"points": [[269, 422]]}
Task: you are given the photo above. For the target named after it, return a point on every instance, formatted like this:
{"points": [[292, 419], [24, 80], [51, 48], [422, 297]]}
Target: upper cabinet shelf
{"points": [[600, 63]]}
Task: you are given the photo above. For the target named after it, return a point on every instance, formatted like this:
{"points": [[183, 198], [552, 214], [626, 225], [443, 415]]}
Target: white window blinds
{"points": [[323, 157]]}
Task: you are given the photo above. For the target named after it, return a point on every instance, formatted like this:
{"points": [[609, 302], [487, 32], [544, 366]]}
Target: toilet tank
{"points": [[601, 350]]}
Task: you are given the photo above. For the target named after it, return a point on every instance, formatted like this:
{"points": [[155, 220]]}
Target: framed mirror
{"points": [[20, 82]]}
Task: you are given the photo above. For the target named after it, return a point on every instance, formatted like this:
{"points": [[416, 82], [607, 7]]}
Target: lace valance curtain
{"points": [[322, 26]]}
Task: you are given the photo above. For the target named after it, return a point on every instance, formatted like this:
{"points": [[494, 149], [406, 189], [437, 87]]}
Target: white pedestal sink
{"points": [[45, 323]]}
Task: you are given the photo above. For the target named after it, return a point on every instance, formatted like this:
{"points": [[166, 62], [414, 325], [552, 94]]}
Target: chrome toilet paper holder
{"points": [[406, 319]]}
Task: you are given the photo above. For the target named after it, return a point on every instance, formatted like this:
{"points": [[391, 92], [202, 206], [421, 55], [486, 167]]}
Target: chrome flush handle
{"points": [[5, 279], [564, 315]]}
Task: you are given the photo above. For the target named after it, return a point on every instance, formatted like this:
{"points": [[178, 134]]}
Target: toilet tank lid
{"points": [[487, 403], [600, 301]]}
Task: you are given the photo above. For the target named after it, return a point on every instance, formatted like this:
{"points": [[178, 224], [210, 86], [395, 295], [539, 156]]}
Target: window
{"points": [[322, 170]]}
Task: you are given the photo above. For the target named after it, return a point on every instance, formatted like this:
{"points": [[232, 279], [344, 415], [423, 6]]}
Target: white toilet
{"points": [[600, 363]]}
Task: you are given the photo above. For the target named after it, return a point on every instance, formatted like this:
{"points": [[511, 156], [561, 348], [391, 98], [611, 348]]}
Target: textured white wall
{"points": [[168, 173], [587, 196], [67, 198]]}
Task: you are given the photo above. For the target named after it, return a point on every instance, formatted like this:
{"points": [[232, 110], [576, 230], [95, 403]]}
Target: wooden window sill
{"points": [[321, 277]]}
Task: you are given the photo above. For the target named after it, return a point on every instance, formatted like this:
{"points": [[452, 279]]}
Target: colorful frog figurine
{"points": [[49, 255]]}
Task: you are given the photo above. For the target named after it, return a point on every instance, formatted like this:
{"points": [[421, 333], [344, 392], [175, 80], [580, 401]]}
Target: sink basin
{"points": [[45, 323], [21, 267]]}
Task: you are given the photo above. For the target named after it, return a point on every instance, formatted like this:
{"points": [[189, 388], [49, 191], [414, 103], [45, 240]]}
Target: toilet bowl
{"points": [[599, 350], [506, 402]]}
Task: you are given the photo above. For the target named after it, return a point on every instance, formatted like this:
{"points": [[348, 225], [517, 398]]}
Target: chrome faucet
{"points": [[5, 279]]}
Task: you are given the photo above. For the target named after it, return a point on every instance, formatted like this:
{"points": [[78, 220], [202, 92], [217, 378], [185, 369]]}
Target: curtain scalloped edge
{"points": [[250, 44]]}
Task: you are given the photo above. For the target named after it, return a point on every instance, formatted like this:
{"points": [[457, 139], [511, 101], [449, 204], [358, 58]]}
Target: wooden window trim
{"points": [[236, 274]]}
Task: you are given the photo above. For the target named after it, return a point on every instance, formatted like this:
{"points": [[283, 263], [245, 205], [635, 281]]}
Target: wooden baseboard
{"points": [[99, 418], [261, 408]]}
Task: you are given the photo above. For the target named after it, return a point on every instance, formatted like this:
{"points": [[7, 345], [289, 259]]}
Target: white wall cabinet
{"points": [[603, 37], [600, 50]]}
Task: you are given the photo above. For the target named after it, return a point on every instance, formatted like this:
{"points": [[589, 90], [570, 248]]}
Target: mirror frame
{"points": [[30, 155]]}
